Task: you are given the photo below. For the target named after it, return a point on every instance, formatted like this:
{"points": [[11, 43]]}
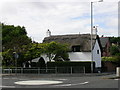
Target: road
{"points": [[66, 81]]}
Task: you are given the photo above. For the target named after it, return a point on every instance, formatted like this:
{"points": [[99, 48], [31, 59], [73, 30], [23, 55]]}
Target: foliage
{"points": [[115, 40], [118, 60], [8, 58], [51, 49], [54, 49], [114, 59], [33, 51], [114, 49], [111, 59], [13, 40], [14, 37]]}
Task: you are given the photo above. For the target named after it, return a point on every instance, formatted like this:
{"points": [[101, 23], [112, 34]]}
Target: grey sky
{"points": [[60, 16]]}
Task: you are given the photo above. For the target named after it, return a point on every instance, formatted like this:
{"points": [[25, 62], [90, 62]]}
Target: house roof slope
{"points": [[83, 40], [104, 41]]}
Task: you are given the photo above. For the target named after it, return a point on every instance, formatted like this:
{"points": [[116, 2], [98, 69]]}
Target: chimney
{"points": [[95, 30], [48, 33]]}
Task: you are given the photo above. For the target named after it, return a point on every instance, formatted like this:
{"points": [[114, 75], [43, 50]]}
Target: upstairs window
{"points": [[76, 48], [97, 51]]}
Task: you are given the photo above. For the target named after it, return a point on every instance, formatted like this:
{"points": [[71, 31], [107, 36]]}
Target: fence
{"points": [[47, 70]]}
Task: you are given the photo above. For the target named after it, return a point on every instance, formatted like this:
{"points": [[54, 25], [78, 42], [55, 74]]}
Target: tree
{"points": [[14, 36], [34, 51], [8, 59], [114, 49], [54, 49], [115, 40], [13, 40]]}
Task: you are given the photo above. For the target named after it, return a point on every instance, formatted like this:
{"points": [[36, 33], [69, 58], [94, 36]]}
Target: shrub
{"points": [[111, 59], [114, 59]]}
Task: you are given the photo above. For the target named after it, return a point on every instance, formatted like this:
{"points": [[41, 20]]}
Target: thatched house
{"points": [[80, 46]]}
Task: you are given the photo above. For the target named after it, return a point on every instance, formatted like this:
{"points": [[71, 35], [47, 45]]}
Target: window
{"points": [[76, 48], [97, 51]]}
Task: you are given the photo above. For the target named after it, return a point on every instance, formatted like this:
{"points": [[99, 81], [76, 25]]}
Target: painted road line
{"points": [[6, 78], [7, 86], [116, 79], [73, 84], [84, 83], [24, 79], [9, 78], [37, 82], [62, 79]]}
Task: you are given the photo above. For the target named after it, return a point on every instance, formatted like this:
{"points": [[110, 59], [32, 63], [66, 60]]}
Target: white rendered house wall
{"points": [[97, 54], [79, 56]]}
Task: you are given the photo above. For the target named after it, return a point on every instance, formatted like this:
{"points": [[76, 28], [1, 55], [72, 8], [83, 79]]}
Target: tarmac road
{"points": [[68, 81]]}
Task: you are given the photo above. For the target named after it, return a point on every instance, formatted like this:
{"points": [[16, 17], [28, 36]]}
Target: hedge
{"points": [[114, 60], [87, 65], [67, 64]]}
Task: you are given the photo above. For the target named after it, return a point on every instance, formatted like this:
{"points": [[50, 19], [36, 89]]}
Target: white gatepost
{"points": [[118, 71]]}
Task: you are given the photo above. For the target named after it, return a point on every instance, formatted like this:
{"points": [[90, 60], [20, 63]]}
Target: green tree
{"points": [[8, 59], [32, 52], [54, 49], [14, 36], [114, 49], [115, 40], [13, 40]]}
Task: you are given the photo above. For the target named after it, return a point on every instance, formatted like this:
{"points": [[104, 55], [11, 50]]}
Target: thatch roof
{"points": [[82, 40]]}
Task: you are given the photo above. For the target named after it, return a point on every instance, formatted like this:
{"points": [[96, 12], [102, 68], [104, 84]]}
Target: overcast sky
{"points": [[60, 16]]}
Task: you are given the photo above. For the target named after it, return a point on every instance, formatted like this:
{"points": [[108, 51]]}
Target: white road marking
{"points": [[84, 83], [62, 79], [6, 78], [9, 78], [37, 82], [7, 86], [24, 79], [116, 79], [73, 84]]}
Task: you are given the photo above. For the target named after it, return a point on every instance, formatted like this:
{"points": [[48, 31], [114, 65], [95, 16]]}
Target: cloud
{"points": [[61, 17]]}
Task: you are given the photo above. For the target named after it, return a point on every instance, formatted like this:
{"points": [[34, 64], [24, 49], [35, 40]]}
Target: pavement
{"points": [[66, 74]]}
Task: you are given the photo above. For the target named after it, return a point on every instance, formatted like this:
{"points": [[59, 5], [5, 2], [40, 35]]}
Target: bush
{"points": [[114, 50], [115, 59], [111, 59]]}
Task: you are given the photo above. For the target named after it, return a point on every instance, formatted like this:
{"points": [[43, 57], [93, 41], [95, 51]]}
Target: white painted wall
{"points": [[80, 56], [97, 57], [44, 57]]}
